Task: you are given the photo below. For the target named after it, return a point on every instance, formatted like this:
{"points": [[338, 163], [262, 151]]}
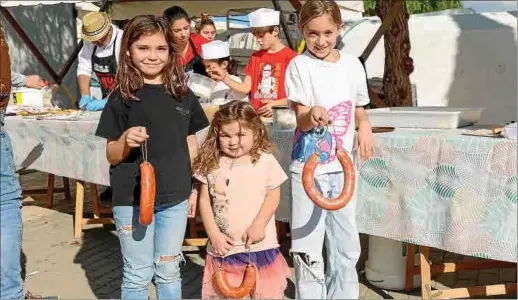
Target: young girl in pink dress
{"points": [[240, 192]]}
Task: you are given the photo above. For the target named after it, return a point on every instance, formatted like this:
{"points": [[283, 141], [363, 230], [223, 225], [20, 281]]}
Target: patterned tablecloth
{"points": [[429, 187]]}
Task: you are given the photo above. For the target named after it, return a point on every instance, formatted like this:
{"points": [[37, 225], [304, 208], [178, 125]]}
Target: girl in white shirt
{"points": [[327, 89], [217, 61]]}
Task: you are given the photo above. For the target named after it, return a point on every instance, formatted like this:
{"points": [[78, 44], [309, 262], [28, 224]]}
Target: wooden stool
{"points": [[50, 190], [426, 270], [79, 220]]}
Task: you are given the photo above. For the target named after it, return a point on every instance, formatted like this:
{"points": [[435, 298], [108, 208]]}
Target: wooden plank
{"points": [[98, 221], [78, 219], [200, 242], [410, 267], [476, 291], [475, 265], [426, 280]]}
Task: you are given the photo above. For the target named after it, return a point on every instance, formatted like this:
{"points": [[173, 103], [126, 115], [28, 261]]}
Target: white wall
{"points": [[460, 61], [52, 28]]}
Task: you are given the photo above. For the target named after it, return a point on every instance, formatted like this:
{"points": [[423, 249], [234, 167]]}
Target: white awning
{"points": [[9, 3], [127, 10]]}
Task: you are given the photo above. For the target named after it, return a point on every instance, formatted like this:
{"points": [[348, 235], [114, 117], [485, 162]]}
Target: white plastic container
{"points": [[284, 118], [386, 265], [202, 86], [436, 117], [29, 97]]}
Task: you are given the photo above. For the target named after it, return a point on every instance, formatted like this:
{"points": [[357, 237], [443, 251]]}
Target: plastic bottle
{"points": [[47, 94]]}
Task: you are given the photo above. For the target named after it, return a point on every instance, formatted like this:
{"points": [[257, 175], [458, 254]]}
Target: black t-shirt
{"points": [[168, 122]]}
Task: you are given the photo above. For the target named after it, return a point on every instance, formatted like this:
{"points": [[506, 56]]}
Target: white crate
{"points": [[437, 117]]}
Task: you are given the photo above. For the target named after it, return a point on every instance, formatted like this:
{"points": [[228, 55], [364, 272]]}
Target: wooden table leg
{"points": [[66, 186], [50, 190], [410, 265], [78, 225], [426, 272], [94, 197]]}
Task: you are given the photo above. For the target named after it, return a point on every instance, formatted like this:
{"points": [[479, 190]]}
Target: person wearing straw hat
{"points": [[99, 55]]}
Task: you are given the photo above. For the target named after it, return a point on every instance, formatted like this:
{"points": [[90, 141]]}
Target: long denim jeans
{"points": [[153, 251], [310, 226], [11, 283]]}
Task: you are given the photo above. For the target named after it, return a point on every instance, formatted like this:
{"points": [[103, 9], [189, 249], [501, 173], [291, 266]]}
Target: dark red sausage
{"points": [[236, 292], [308, 181], [147, 193]]}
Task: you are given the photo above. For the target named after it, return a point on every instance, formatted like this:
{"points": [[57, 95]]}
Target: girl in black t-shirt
{"points": [[151, 106]]}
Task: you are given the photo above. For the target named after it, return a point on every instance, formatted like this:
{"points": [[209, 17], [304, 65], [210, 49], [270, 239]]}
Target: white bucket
{"points": [[28, 97], [386, 265]]}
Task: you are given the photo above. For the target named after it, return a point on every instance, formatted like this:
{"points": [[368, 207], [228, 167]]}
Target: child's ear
{"points": [[341, 28], [224, 64], [276, 31], [127, 53]]}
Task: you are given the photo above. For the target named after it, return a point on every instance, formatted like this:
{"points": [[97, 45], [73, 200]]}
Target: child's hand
{"points": [[365, 141], [266, 109], [193, 200], [319, 117], [254, 234], [221, 243], [135, 136], [217, 74]]}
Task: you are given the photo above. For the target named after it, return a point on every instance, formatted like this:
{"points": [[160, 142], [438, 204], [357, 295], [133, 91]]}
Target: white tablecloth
{"points": [[429, 187]]}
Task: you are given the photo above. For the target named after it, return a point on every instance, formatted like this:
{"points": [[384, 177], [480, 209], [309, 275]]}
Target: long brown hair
{"points": [[316, 8], [128, 78], [244, 113]]}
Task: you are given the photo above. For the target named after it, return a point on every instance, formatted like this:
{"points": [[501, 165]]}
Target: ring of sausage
{"points": [[308, 181], [240, 291]]}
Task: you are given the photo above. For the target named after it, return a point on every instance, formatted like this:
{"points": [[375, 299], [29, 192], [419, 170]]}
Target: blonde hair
{"points": [[316, 8], [244, 113]]}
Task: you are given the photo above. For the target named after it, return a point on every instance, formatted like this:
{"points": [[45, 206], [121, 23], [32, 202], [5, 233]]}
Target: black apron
{"points": [[105, 69], [196, 63]]}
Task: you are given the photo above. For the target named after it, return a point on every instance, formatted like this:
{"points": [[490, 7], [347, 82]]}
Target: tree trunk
{"points": [[398, 64]]}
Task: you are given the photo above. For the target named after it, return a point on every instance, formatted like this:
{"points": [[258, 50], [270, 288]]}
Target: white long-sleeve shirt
{"points": [[84, 66]]}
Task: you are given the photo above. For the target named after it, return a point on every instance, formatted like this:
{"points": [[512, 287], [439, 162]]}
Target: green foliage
{"points": [[416, 7]]}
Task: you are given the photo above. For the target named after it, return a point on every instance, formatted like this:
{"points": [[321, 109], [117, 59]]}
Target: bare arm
{"points": [[242, 88], [361, 116], [117, 150], [303, 116], [270, 204], [192, 144], [84, 84], [206, 212]]}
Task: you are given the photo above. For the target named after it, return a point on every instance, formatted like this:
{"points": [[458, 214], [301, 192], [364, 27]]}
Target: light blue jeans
{"points": [[310, 226], [153, 251], [11, 283]]}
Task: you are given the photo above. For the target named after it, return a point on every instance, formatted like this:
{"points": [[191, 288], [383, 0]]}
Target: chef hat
{"points": [[215, 49], [264, 17]]}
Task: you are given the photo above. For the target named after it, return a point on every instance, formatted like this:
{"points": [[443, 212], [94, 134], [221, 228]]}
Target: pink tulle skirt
{"points": [[272, 271]]}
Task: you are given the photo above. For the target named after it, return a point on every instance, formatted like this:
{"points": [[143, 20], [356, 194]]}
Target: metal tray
{"points": [[435, 117]]}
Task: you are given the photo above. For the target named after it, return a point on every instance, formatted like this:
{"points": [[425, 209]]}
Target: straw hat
{"points": [[95, 26]]}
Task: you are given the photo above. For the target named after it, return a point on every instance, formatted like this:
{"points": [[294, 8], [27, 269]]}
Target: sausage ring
{"points": [[147, 193], [308, 181], [240, 291]]}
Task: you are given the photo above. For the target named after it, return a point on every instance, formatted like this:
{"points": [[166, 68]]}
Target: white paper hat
{"points": [[264, 17], [215, 49]]}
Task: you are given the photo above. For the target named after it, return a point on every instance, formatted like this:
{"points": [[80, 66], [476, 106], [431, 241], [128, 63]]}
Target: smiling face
{"points": [[150, 54], [320, 34], [235, 139], [181, 30]]}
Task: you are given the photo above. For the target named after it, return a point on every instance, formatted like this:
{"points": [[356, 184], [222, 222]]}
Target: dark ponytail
{"points": [[175, 13], [232, 64]]}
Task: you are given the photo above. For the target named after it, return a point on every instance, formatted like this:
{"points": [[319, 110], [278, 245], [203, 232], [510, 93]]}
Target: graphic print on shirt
{"points": [[324, 140], [268, 86], [219, 202]]}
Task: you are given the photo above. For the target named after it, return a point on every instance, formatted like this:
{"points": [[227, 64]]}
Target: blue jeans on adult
{"points": [[11, 283], [153, 251]]}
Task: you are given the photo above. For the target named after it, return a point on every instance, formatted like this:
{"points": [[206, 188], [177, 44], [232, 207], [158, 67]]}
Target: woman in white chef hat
{"points": [[219, 65]]}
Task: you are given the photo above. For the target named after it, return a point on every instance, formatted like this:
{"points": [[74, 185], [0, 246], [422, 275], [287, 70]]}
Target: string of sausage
{"points": [[246, 286], [308, 181], [147, 189]]}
